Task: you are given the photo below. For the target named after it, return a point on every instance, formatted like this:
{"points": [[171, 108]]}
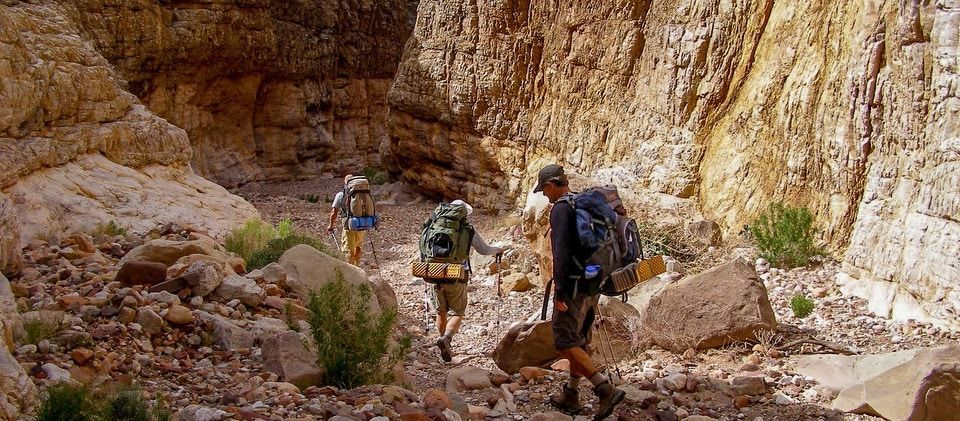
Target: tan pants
{"points": [[452, 297], [353, 245]]}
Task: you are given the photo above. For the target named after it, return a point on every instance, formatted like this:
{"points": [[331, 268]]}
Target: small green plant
{"points": [[276, 247], [39, 329], [65, 402], [310, 198], [801, 306], [252, 236], [284, 228], [376, 176], [785, 235], [79, 403], [110, 229], [354, 346]]}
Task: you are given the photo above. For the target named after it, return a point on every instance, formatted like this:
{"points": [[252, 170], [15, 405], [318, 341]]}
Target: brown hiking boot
{"points": [[567, 401], [444, 344], [610, 397]]}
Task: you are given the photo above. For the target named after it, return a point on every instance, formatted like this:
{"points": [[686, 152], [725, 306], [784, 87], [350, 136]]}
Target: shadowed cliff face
{"points": [[266, 90], [849, 109]]}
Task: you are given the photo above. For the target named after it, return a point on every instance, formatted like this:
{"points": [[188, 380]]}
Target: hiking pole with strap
{"points": [[333, 237], [546, 299], [605, 336]]}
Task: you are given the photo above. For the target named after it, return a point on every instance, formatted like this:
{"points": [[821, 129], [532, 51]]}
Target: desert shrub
{"points": [[275, 248], [284, 228], [247, 239], [354, 346], [39, 329], [110, 229], [63, 402], [785, 235], [801, 306], [376, 175]]}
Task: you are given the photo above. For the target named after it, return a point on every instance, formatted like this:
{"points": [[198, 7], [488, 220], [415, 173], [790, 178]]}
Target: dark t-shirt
{"points": [[566, 247]]}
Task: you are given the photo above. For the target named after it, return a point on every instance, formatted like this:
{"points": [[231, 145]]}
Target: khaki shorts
{"points": [[352, 243], [451, 297]]}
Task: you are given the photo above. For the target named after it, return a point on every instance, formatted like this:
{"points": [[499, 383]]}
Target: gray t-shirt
{"points": [[337, 201]]}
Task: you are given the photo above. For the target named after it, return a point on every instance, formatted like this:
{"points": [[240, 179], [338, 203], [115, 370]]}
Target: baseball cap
{"points": [[552, 172]]}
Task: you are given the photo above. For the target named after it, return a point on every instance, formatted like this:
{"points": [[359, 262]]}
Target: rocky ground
{"points": [[207, 356]]}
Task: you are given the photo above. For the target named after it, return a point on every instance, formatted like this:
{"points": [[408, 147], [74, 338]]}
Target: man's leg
{"points": [[456, 298], [441, 322]]}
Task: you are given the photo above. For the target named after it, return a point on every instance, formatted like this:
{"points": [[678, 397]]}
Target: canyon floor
{"points": [[200, 355], [838, 320]]}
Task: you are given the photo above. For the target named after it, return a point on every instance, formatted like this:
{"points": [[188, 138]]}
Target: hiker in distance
{"points": [[445, 245], [355, 207], [575, 300]]}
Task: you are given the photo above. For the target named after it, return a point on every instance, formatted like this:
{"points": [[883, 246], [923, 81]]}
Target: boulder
{"points": [[308, 269], [526, 344], [386, 296], [178, 315], [205, 276], [925, 388], [748, 385], [10, 324], [286, 355], [201, 413], [169, 251], [466, 378], [150, 321], [141, 272], [229, 336], [18, 394], [838, 372], [266, 327], [274, 274], [518, 282], [10, 260], [722, 305], [244, 289], [704, 233]]}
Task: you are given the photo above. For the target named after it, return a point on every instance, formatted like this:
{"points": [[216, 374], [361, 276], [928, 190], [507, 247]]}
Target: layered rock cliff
{"points": [[76, 150], [266, 90], [848, 108]]}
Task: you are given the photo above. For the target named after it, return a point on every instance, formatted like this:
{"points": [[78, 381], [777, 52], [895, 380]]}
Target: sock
{"points": [[448, 336], [574, 382], [598, 378]]}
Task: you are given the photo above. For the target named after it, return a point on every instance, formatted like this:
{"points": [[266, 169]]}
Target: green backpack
{"points": [[446, 235]]}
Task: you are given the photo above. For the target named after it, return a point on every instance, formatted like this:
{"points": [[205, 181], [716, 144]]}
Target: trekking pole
{"points": [[376, 259], [605, 335], [333, 237], [499, 291]]}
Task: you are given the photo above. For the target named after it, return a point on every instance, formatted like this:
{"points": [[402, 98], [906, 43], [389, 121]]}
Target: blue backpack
{"points": [[604, 229]]}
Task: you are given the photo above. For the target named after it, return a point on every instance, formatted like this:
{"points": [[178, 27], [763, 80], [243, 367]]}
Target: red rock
{"points": [[141, 273], [81, 356], [533, 373]]}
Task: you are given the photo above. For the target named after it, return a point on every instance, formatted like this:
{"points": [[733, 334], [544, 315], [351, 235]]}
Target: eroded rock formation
{"points": [[850, 109], [266, 90], [76, 150]]}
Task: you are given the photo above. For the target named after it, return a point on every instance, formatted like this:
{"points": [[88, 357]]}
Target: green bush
{"points": [[376, 176], [354, 347], [252, 236], [110, 229], [276, 247], [801, 306], [785, 235], [65, 402], [39, 329]]}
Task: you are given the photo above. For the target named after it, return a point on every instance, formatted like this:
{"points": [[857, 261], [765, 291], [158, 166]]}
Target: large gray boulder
{"points": [[838, 372], [925, 388], [9, 316], [526, 345], [286, 355], [723, 305], [169, 251], [308, 269]]}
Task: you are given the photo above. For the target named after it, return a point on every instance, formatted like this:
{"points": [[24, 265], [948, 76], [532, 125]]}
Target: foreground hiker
{"points": [[445, 255], [575, 300], [354, 205]]}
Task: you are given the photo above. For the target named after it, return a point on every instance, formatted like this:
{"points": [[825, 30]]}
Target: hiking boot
{"points": [[610, 397], [567, 401], [444, 344]]}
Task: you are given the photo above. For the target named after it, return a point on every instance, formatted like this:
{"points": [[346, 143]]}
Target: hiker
{"points": [[447, 238], [575, 301], [355, 206]]}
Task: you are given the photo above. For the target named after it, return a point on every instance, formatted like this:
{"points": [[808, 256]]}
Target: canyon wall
{"points": [[76, 150], [848, 108], [266, 90]]}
